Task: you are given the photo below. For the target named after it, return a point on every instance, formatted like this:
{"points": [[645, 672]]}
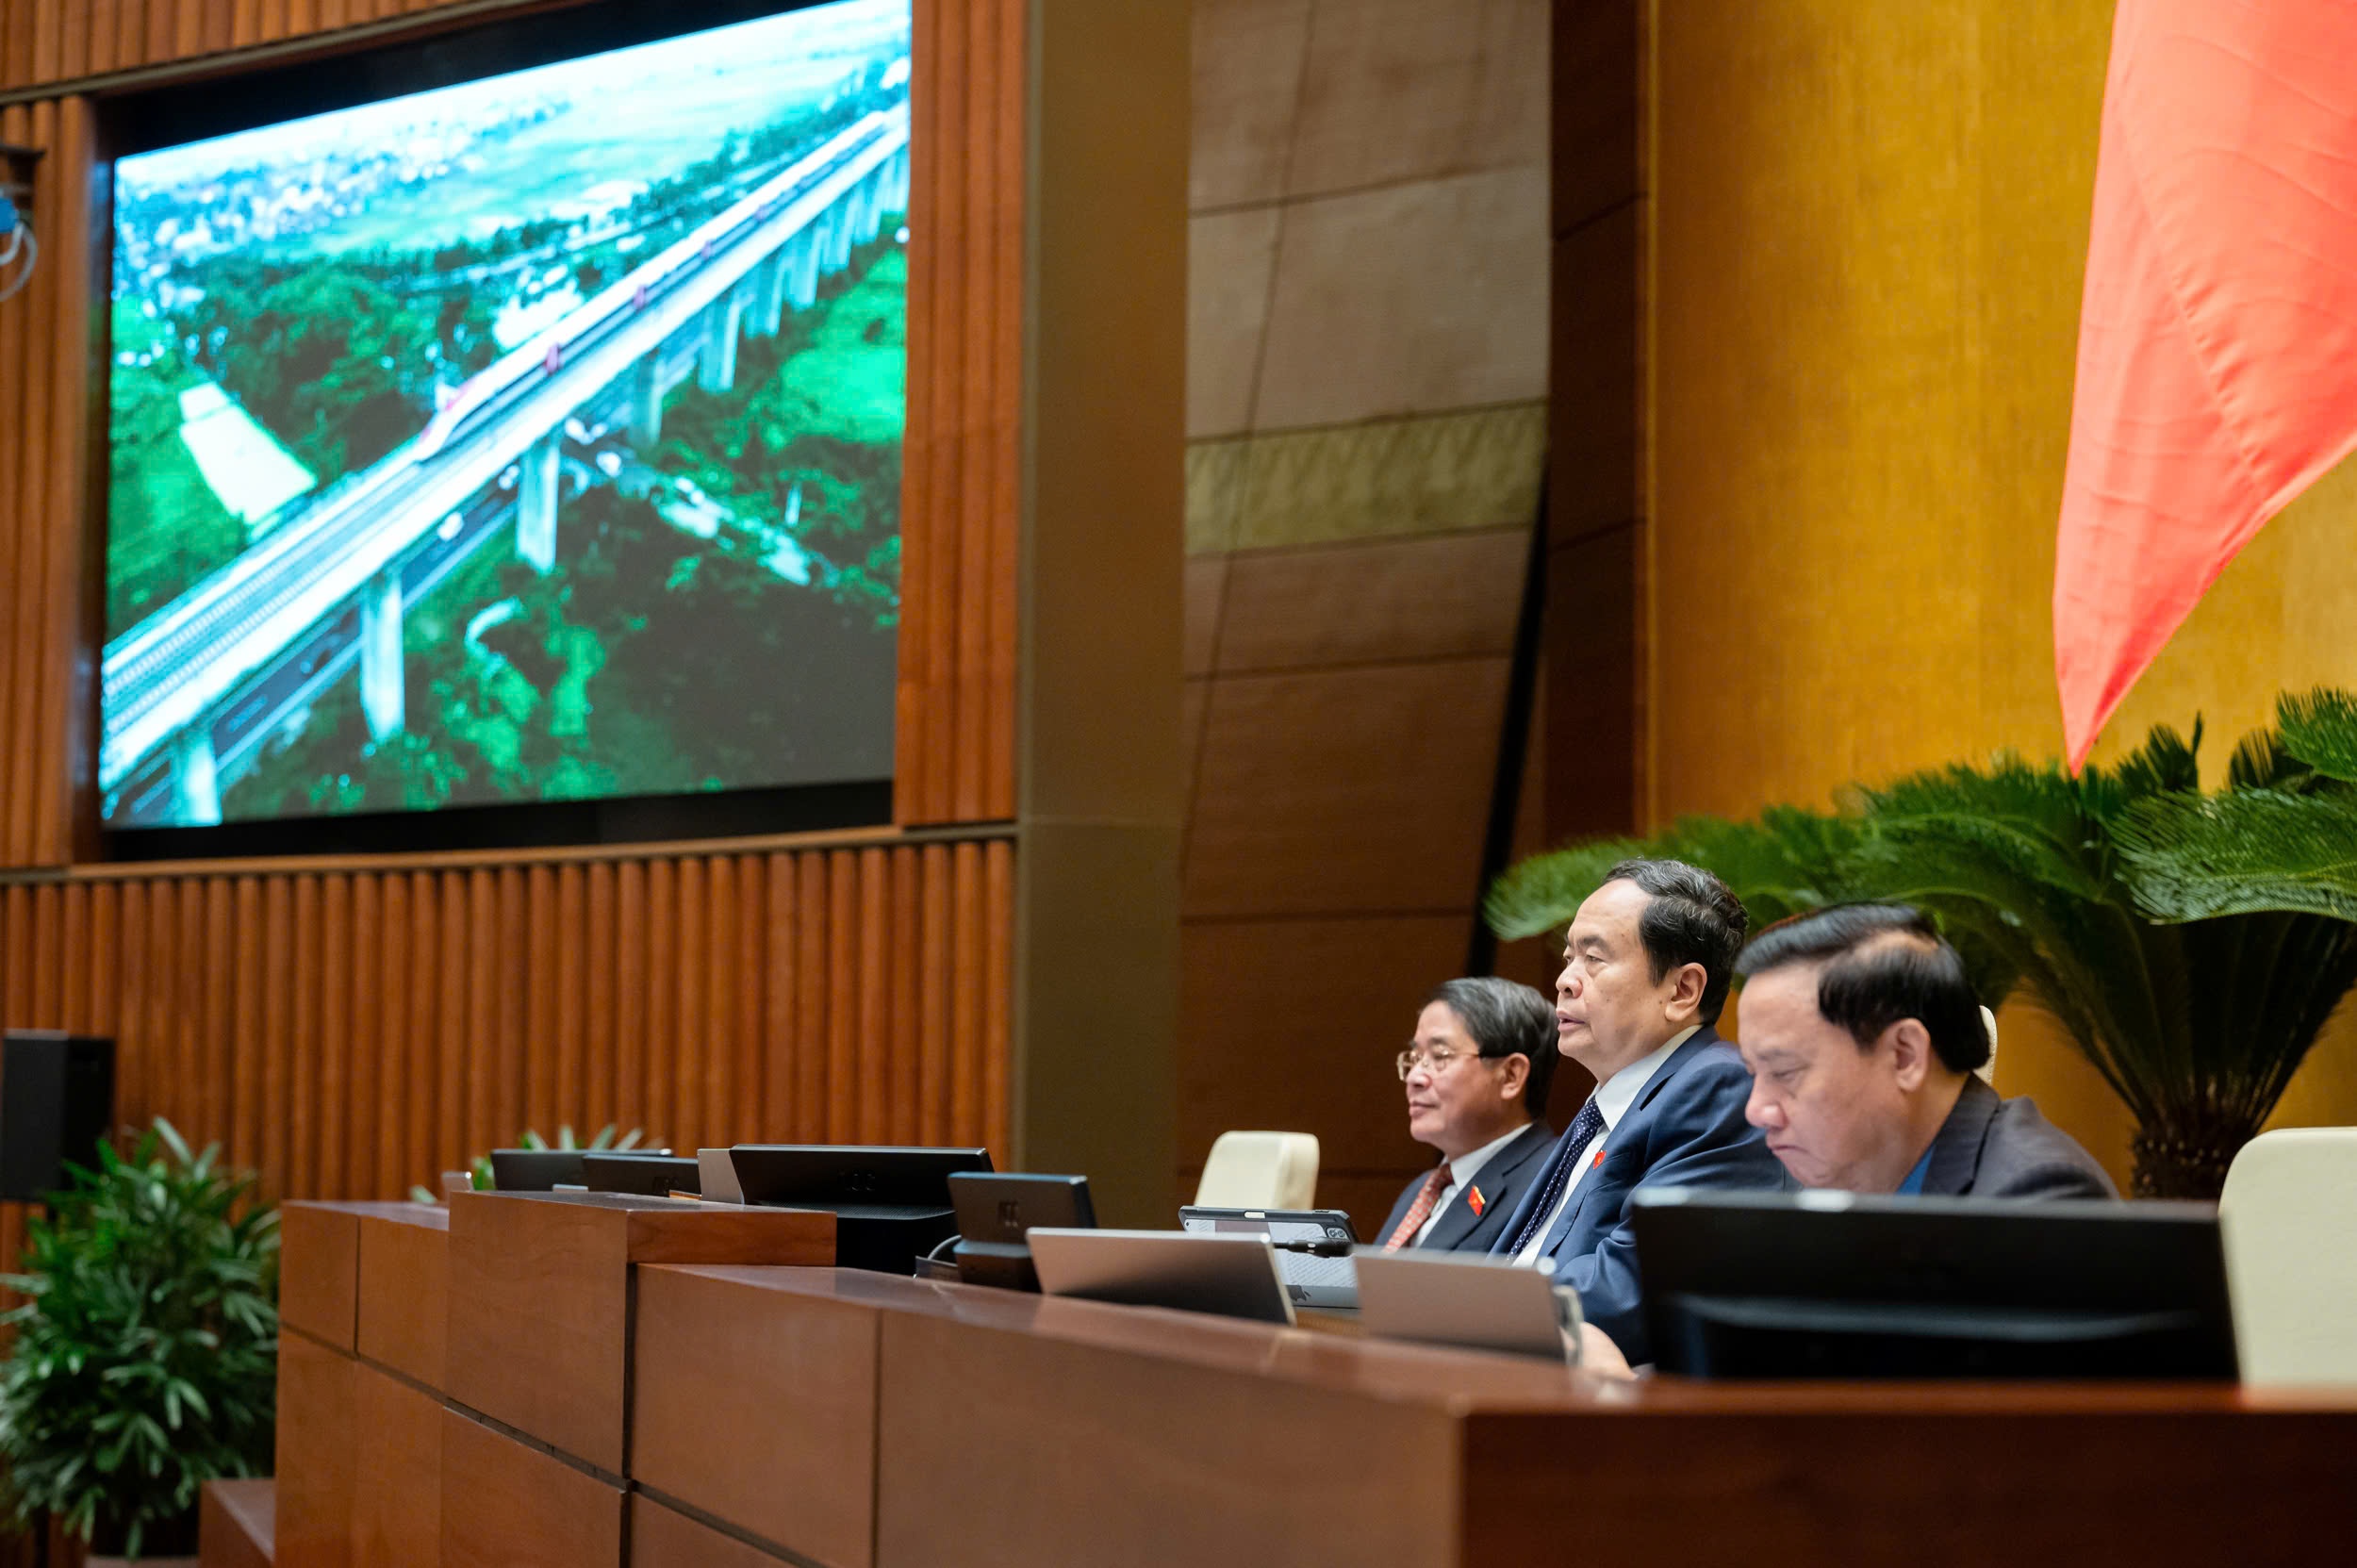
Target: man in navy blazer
{"points": [[1864, 1032], [1476, 1074], [1646, 966]]}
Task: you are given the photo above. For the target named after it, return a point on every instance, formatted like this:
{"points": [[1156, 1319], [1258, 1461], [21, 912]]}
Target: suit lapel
{"points": [[1631, 1124], [1956, 1147], [1496, 1182]]}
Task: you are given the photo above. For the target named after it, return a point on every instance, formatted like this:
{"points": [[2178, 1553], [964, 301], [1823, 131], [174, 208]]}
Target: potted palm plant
{"points": [[146, 1359], [2192, 944]]}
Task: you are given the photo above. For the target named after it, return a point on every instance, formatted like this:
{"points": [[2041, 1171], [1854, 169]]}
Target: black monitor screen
{"points": [[851, 1176], [1834, 1284]]}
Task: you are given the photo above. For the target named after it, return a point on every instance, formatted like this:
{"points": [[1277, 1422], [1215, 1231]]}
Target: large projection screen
{"points": [[535, 439]]}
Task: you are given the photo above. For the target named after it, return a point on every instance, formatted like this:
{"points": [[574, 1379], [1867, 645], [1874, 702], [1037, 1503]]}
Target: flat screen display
{"points": [[533, 438]]}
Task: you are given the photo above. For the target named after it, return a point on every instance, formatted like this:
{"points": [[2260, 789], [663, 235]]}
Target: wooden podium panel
{"points": [[318, 1270], [403, 1306], [235, 1520], [317, 1408], [539, 1299], [715, 1366], [663, 1538], [507, 1504], [1952, 1477], [397, 1489], [998, 1447]]}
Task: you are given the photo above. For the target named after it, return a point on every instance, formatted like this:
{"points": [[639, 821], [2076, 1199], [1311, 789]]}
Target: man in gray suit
{"points": [[1862, 1034]]}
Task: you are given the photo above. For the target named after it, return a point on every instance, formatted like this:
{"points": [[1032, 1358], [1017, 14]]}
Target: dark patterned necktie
{"points": [[1421, 1210], [1560, 1165]]}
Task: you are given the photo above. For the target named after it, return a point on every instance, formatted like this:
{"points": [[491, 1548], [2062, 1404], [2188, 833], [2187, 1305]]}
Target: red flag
{"points": [[2218, 336]]}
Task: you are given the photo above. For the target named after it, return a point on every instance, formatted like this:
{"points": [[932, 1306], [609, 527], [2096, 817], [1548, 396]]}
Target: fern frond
{"points": [[2166, 764], [2320, 729], [2261, 761], [1542, 893], [2243, 852]]}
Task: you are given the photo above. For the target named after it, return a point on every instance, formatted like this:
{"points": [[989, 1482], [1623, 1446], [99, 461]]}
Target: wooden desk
{"points": [[1014, 1429], [751, 1414]]}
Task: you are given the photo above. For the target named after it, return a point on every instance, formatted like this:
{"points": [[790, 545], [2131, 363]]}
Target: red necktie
{"points": [[1419, 1210]]}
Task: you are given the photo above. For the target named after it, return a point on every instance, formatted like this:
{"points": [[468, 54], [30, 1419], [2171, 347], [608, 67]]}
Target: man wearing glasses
{"points": [[1476, 1076]]}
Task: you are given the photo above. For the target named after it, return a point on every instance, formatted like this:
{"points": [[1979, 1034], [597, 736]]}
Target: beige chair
{"points": [[1261, 1170], [2289, 1219]]}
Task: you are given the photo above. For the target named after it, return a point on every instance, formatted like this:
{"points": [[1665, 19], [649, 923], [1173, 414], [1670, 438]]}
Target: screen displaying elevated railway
{"points": [[533, 438]]}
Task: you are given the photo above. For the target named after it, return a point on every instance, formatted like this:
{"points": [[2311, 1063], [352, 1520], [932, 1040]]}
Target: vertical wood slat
{"points": [[62, 216], [26, 492], [753, 895], [689, 1034], [20, 524]]}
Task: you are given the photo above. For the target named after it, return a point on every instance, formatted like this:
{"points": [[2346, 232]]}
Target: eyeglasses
{"points": [[1434, 1062]]}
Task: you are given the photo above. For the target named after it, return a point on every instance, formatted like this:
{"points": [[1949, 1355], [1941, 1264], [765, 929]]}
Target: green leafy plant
{"points": [[479, 1168], [145, 1360], [2192, 944]]}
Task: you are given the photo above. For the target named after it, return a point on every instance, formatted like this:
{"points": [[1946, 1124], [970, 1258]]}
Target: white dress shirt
{"points": [[1614, 1095], [1462, 1171]]}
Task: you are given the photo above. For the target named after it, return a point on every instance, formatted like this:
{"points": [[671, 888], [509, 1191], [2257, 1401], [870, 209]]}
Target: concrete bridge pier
{"points": [[768, 307], [715, 361], [646, 399], [841, 218], [872, 204], [382, 686], [535, 503], [802, 267], [195, 776]]}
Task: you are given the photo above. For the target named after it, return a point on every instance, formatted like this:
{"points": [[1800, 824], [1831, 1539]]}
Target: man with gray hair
{"points": [[1476, 1074]]}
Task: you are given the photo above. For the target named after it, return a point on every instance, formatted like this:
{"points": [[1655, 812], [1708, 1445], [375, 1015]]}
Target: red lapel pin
{"points": [[1474, 1201]]}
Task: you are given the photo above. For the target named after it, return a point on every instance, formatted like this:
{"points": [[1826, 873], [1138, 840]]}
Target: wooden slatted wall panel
{"points": [[44, 362], [962, 486], [349, 1035]]}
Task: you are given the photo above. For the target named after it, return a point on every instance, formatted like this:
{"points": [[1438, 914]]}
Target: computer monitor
{"points": [[1834, 1284], [996, 1211], [654, 1174], [535, 1170], [891, 1203]]}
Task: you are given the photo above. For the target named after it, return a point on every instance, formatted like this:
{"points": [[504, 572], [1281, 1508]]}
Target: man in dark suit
{"points": [[1862, 1033], [1477, 1074], [1646, 966]]}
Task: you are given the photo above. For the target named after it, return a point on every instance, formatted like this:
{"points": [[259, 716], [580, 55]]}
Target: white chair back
{"points": [[2288, 1216], [1261, 1170]]}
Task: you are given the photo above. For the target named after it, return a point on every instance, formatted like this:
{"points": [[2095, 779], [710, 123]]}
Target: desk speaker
{"points": [[56, 1101]]}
